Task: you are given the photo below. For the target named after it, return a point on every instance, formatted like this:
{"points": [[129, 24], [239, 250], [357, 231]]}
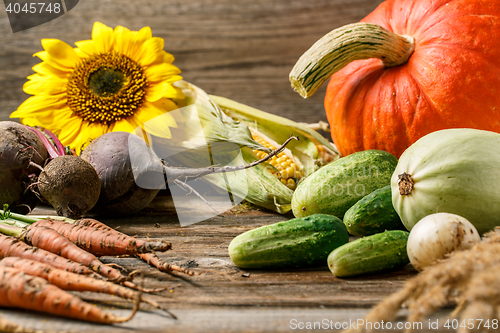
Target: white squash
{"points": [[454, 171]]}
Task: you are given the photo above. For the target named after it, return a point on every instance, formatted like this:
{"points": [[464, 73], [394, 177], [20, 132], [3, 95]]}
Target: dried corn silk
{"points": [[470, 279]]}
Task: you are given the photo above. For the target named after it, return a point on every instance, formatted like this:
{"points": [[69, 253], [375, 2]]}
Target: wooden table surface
{"points": [[224, 298], [243, 50]]}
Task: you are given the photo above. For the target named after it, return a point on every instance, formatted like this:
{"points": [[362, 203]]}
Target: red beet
{"points": [[70, 185], [126, 188], [20, 149]]}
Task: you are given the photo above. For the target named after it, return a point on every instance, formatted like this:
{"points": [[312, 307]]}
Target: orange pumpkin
{"points": [[447, 76]]}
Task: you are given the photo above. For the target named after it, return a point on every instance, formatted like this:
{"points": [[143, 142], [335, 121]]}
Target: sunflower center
{"points": [[106, 88], [106, 81]]}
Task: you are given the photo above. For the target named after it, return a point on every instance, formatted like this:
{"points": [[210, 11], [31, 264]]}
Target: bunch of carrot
{"points": [[42, 258]]}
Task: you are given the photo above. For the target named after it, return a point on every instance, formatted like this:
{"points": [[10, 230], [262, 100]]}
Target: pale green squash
{"points": [[454, 171]]}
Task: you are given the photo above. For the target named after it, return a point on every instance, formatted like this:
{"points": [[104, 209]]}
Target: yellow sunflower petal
{"points": [[159, 126], [44, 68], [174, 78], [155, 117], [121, 29], [164, 57], [92, 130], [157, 91], [122, 37], [61, 52], [131, 42], [173, 92], [144, 34], [102, 35], [150, 51], [87, 47], [161, 72], [49, 84], [123, 126], [31, 122], [81, 54], [63, 119], [137, 39], [39, 106], [69, 133], [46, 58], [86, 133]]}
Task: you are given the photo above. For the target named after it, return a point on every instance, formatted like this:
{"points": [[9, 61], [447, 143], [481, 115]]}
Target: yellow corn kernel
{"points": [[324, 155], [289, 173]]}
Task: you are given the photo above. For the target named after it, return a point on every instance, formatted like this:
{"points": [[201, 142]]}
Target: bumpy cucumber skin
{"points": [[296, 243], [372, 254], [373, 214], [334, 188]]}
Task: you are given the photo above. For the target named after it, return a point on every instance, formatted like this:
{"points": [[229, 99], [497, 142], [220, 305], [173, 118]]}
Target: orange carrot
{"points": [[155, 261], [12, 247], [52, 241], [101, 242], [73, 282], [21, 290], [150, 258]]}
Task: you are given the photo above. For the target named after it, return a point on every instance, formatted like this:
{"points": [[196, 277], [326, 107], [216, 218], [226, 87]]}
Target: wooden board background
{"points": [[243, 50], [240, 49]]}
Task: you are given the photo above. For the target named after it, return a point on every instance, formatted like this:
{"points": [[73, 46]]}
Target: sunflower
{"points": [[117, 81]]}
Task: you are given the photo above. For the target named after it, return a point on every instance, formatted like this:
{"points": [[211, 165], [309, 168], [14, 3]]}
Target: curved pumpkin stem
{"points": [[339, 47]]}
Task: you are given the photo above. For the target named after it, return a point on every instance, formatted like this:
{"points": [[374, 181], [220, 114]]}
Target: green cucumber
{"points": [[372, 214], [334, 188], [299, 242], [372, 254]]}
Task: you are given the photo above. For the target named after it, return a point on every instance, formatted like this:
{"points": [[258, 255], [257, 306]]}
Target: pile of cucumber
{"points": [[349, 196]]}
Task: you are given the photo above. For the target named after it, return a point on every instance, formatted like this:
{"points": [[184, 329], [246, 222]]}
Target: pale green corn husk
{"points": [[225, 129], [216, 126]]}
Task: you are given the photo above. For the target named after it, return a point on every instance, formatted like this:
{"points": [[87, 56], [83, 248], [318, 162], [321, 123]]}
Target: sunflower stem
{"points": [[343, 45]]}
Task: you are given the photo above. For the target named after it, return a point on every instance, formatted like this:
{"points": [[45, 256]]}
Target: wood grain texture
{"points": [[241, 49], [225, 298]]}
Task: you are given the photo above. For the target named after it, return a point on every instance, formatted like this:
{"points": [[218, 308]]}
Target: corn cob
{"points": [[286, 169]]}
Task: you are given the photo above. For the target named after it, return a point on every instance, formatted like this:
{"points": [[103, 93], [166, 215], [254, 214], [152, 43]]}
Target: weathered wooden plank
{"points": [[240, 319], [209, 302], [203, 247]]}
